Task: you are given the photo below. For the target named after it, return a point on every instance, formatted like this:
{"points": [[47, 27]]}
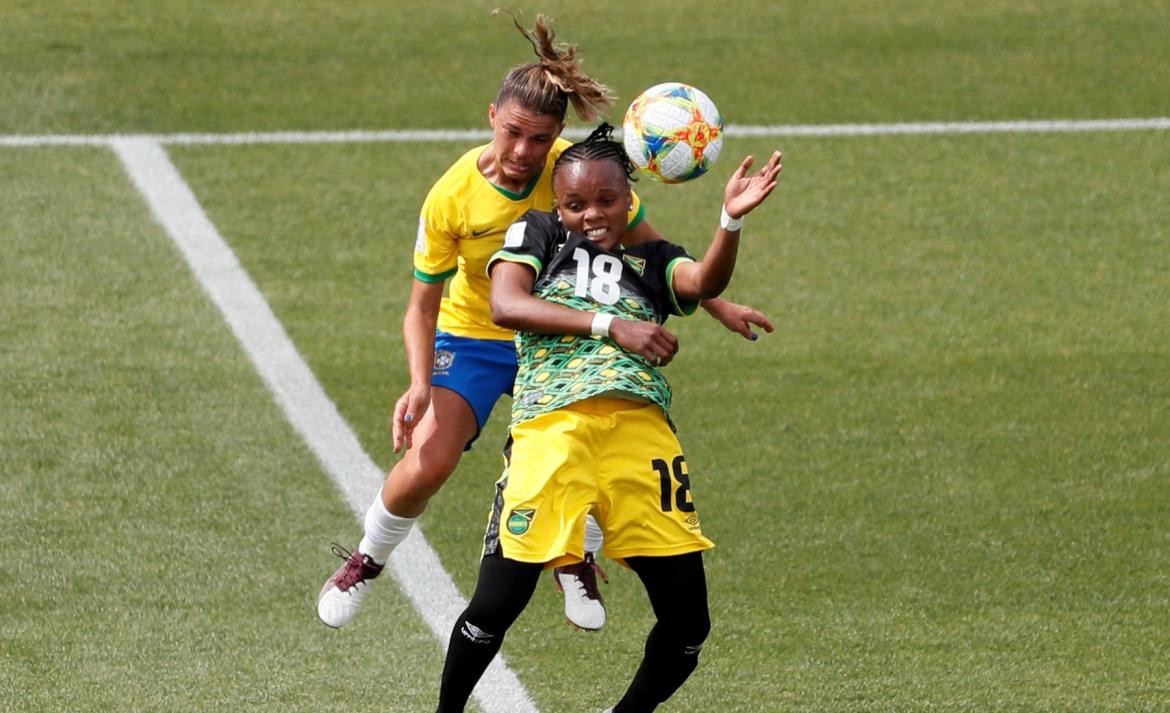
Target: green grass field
{"points": [[942, 484]]}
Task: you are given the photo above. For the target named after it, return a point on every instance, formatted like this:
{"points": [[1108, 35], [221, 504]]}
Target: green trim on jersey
{"points": [[528, 260], [432, 279], [512, 195], [687, 307]]}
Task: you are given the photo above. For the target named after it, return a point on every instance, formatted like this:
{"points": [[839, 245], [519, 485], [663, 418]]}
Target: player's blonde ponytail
{"points": [[548, 86]]}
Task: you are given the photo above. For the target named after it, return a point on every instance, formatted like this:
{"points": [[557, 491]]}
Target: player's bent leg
{"points": [[677, 588], [439, 439], [504, 588]]}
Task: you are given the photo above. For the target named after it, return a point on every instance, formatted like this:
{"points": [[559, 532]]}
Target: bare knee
{"points": [[439, 440], [424, 476], [416, 478]]}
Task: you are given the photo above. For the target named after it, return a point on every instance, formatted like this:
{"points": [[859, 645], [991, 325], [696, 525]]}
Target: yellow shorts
{"points": [[617, 458]]}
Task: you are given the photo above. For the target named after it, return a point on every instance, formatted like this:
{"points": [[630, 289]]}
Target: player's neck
{"points": [[490, 168]]}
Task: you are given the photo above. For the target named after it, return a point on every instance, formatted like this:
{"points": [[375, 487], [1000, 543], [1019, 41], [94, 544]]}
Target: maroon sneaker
{"points": [[342, 595], [584, 607]]}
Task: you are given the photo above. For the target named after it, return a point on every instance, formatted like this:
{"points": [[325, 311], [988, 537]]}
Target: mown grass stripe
{"points": [[732, 130]]}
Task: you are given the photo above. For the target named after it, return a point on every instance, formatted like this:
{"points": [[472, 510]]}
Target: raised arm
{"points": [[736, 317], [710, 276]]}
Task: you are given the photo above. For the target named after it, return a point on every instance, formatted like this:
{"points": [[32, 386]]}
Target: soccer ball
{"points": [[673, 132]]}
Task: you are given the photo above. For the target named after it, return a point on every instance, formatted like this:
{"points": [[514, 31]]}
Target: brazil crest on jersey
{"points": [[630, 283]]}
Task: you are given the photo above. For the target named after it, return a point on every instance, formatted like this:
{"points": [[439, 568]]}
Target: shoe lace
{"points": [[586, 573], [358, 568]]}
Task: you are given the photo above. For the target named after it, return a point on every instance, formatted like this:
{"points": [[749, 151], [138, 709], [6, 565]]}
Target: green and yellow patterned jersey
{"points": [[630, 283]]}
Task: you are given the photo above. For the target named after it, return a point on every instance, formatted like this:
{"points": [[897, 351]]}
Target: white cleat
{"points": [[342, 596], [584, 607]]}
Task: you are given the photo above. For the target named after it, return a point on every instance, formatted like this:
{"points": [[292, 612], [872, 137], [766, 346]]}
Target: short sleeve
{"points": [[528, 241], [670, 256], [436, 245]]}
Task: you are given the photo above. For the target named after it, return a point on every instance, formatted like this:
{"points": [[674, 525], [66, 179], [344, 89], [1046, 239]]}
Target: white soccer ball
{"points": [[673, 132]]}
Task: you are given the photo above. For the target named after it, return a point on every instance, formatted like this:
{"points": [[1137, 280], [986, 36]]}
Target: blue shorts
{"points": [[479, 370]]}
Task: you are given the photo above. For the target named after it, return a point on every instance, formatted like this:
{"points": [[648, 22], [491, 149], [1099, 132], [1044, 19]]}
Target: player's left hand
{"points": [[408, 412], [738, 318], [744, 192], [649, 340]]}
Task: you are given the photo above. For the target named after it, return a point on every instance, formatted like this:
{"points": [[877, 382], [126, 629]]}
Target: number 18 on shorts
{"points": [[614, 457]]}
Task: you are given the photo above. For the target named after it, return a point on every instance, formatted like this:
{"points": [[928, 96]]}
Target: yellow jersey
{"points": [[462, 224]]}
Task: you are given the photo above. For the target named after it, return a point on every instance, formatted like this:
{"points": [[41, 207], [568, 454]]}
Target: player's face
{"points": [[521, 140], [593, 199]]}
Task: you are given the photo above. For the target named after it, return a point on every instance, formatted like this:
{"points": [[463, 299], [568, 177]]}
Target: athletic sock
{"points": [[594, 537], [677, 588], [502, 592], [469, 652], [383, 531], [667, 664]]}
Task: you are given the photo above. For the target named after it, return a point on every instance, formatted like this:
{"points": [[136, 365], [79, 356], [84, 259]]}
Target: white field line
{"points": [[732, 131], [414, 564]]}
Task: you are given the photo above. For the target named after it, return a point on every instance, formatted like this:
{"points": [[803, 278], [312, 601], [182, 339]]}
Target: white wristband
{"points": [[728, 223], [601, 322]]}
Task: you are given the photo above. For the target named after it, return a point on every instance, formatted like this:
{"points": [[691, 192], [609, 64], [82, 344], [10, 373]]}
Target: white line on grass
{"points": [[414, 564], [732, 130]]}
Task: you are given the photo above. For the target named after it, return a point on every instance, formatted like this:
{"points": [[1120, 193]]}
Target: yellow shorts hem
{"points": [[622, 553], [559, 560]]}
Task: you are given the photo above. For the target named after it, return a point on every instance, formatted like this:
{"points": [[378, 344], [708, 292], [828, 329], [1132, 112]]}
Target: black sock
{"points": [[678, 593], [469, 652], [503, 590]]}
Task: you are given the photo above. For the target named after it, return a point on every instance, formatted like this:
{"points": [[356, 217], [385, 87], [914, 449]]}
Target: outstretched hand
{"points": [[738, 318], [744, 192]]}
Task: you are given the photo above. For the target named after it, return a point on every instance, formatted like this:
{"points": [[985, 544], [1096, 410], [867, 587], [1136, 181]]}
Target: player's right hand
{"points": [[649, 340], [408, 411]]}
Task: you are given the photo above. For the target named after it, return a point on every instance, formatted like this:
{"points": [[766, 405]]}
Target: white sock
{"points": [[384, 531], [594, 537]]}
